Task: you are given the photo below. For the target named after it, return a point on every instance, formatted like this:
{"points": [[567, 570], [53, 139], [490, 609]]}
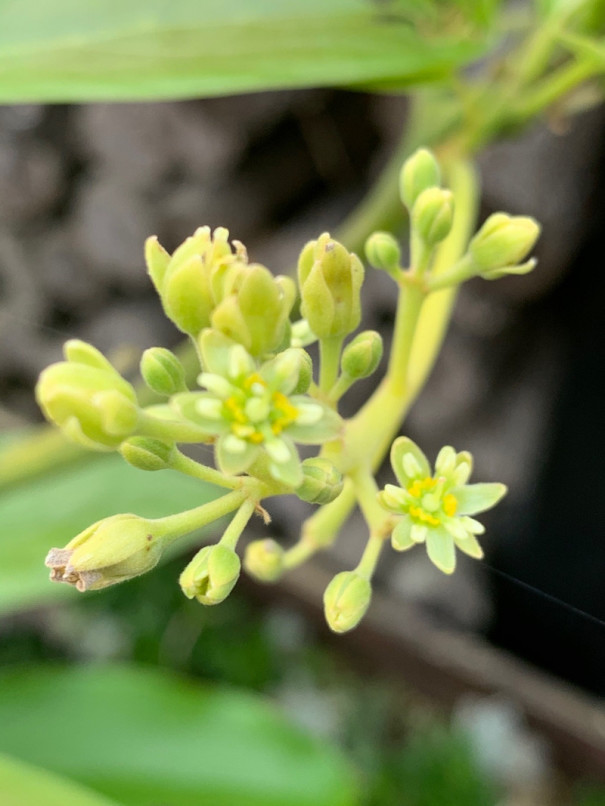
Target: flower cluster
{"points": [[256, 394]]}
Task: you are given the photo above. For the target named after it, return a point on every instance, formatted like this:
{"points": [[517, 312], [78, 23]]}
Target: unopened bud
{"points": [[330, 280], [264, 560], [346, 600], [503, 240], [162, 371], [211, 575], [419, 172], [147, 453], [362, 355], [383, 252], [88, 399], [433, 215], [322, 483], [110, 551]]}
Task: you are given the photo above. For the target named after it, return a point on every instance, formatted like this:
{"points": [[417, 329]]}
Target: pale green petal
{"points": [[473, 498], [441, 550], [456, 527], [216, 384], [234, 462], [464, 467], [186, 405], [241, 364], [327, 427], [289, 471], [473, 526], [419, 532], [393, 498], [215, 349], [446, 461], [471, 547], [401, 539], [404, 446]]}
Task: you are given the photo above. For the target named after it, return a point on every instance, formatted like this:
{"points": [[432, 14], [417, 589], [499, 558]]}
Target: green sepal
{"points": [[401, 537], [233, 463], [157, 260], [186, 296], [328, 427]]}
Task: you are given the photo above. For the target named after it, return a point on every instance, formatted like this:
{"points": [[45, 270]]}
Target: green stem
{"points": [[369, 558], [170, 431], [553, 87], [175, 526], [382, 414], [366, 491], [329, 358], [184, 464], [233, 532], [410, 302], [341, 387]]}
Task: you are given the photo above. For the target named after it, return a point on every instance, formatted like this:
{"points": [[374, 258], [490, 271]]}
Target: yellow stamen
{"points": [[450, 505], [424, 517]]}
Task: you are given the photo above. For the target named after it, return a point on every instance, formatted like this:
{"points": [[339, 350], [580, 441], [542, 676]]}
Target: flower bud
{"points": [[147, 453], [256, 315], [346, 600], [503, 240], [197, 276], [264, 560], [419, 172], [383, 252], [322, 481], [433, 214], [162, 371], [110, 551], [330, 281], [88, 399], [362, 355], [211, 575]]}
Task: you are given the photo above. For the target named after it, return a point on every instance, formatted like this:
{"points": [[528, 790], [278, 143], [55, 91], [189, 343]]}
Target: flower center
{"points": [[430, 503], [257, 413]]}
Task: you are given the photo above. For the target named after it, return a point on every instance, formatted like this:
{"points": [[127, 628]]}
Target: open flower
{"points": [[436, 508], [252, 410]]}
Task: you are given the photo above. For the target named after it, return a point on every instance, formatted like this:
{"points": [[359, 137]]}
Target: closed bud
{"points": [[256, 314], [383, 252], [346, 600], [362, 355], [211, 575], [110, 551], [419, 172], [193, 281], [88, 399], [162, 371], [147, 453], [264, 560], [433, 215], [503, 240], [322, 482], [330, 280]]}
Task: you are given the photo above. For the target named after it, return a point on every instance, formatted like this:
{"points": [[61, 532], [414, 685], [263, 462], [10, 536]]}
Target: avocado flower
{"points": [[254, 411], [436, 507]]}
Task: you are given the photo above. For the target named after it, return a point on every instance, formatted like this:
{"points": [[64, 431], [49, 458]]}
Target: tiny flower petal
{"points": [[471, 547], [401, 539], [473, 526], [234, 462], [418, 533], [216, 384], [474, 498], [441, 550], [417, 464], [446, 461]]}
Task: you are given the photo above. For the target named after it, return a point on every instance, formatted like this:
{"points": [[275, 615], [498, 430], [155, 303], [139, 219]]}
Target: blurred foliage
{"points": [[22, 784], [53, 508], [107, 49]]}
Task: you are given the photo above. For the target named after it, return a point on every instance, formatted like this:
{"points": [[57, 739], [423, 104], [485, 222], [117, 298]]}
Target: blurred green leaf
{"points": [[50, 510], [22, 784], [109, 49], [147, 737]]}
